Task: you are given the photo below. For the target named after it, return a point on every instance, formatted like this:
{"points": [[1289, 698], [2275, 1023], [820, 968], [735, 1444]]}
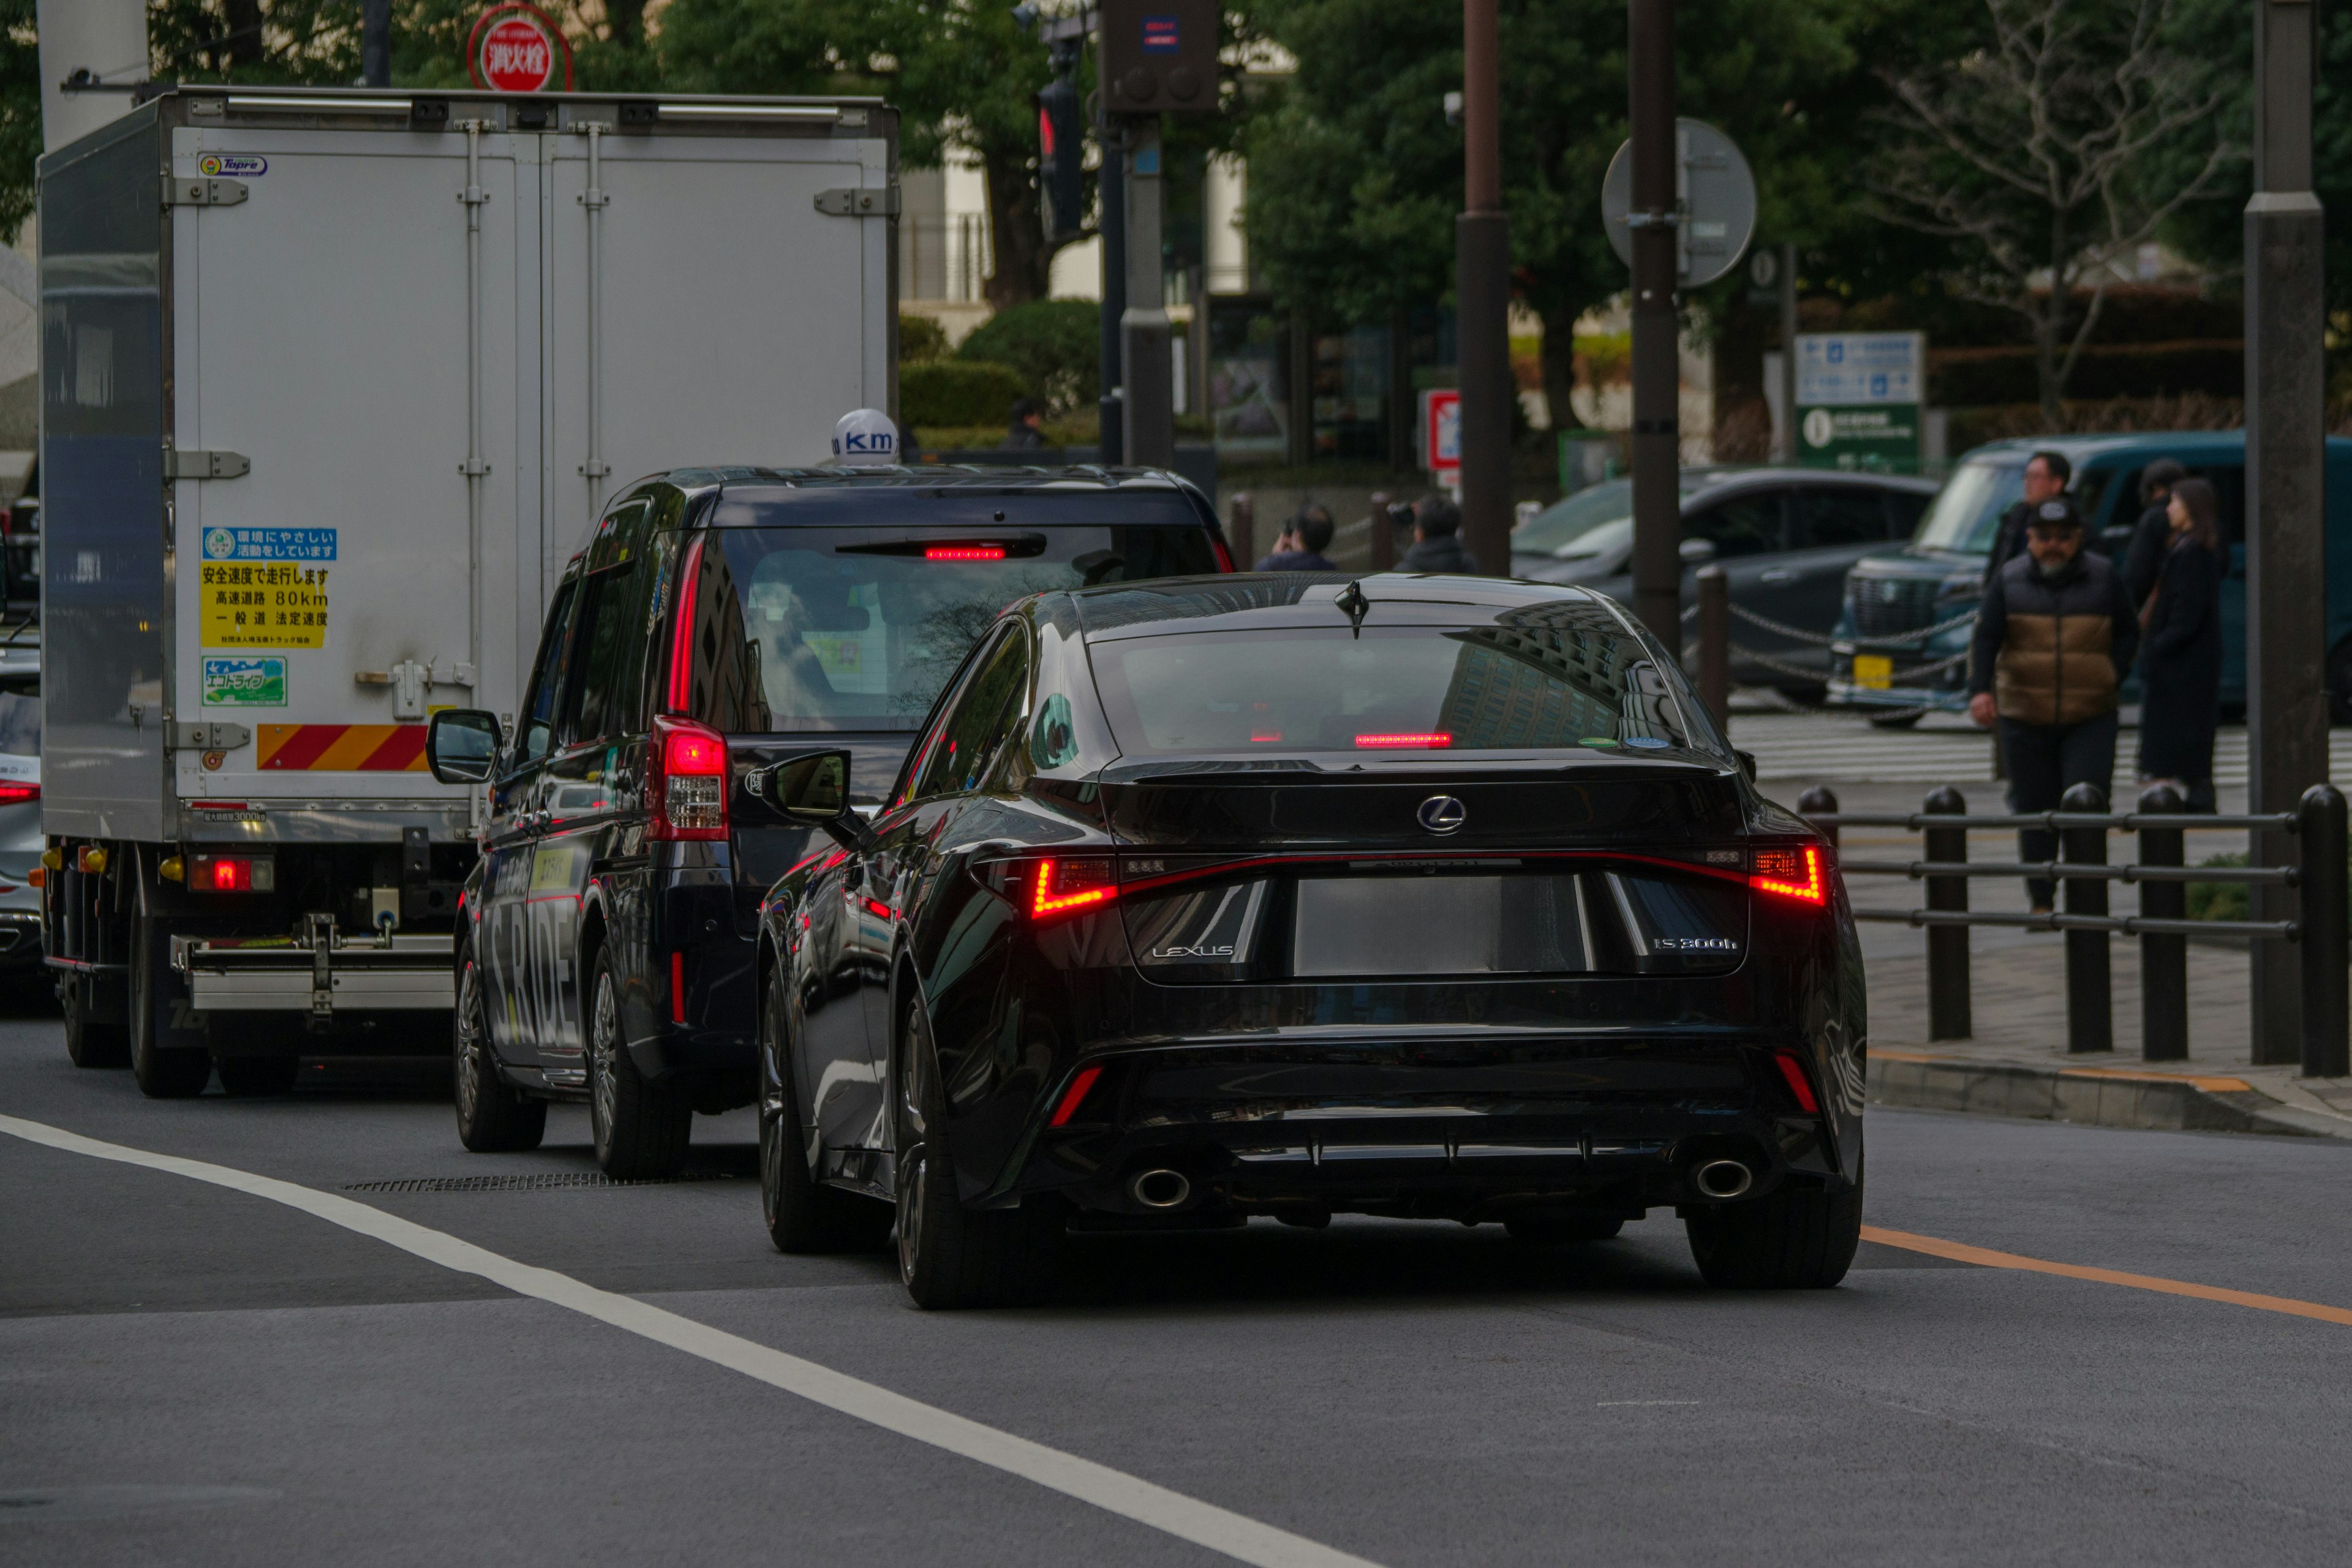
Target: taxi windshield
{"points": [[858, 628]]}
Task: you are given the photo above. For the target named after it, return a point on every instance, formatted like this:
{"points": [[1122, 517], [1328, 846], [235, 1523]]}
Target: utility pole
{"points": [[2286, 568], [1787, 435], [1146, 371], [1657, 380], [375, 43], [1110, 184], [1482, 294]]}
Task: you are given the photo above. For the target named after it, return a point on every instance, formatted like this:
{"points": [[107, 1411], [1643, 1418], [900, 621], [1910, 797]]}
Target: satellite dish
{"points": [[1715, 195]]}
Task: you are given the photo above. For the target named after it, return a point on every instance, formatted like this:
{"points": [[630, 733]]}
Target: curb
{"points": [[2099, 1096]]}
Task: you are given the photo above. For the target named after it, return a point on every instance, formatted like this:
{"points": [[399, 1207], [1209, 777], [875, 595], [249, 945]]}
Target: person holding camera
{"points": [[1437, 538], [1304, 540]]}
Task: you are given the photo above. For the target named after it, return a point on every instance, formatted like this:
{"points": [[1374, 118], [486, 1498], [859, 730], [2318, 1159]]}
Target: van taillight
{"points": [[231, 873], [686, 781]]}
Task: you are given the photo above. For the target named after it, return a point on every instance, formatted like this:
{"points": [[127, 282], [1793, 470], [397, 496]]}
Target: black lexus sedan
{"points": [[1294, 895]]}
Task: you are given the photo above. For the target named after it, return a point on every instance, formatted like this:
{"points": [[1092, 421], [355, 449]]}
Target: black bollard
{"points": [[1947, 946], [1820, 802], [2321, 885], [1714, 643], [2163, 960], [2090, 1001]]}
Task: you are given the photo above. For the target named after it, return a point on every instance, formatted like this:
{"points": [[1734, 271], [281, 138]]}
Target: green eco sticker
{"points": [[245, 682]]}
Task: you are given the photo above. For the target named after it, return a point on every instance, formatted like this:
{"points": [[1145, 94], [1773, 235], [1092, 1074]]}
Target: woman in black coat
{"points": [[2180, 649]]}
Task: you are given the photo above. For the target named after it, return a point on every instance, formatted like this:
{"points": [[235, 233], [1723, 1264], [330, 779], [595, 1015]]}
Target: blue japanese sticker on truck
{"points": [[245, 682], [269, 544], [232, 165]]}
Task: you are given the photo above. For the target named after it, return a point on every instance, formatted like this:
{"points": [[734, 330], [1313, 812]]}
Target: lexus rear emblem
{"points": [[1441, 813]]}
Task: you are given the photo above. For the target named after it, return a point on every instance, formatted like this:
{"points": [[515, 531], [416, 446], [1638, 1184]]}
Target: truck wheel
{"points": [[492, 1119], [249, 1077], [88, 1043], [950, 1256], [641, 1128], [175, 1072], [1797, 1238], [803, 1214]]}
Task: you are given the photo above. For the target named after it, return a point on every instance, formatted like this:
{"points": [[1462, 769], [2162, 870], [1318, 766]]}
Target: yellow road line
{"points": [[1961, 1252]]}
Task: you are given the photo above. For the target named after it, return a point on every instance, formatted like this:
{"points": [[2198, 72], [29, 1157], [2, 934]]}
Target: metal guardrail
{"points": [[2162, 926]]}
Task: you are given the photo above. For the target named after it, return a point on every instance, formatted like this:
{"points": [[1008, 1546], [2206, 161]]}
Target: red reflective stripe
{"points": [[681, 637], [1799, 1085], [403, 749], [302, 744], [1075, 1093]]}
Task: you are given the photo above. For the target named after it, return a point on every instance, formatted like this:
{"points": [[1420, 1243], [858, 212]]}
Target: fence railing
{"points": [[2081, 825]]}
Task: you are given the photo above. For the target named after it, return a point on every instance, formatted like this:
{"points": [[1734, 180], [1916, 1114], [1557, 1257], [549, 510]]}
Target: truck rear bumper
{"points": [[232, 975]]}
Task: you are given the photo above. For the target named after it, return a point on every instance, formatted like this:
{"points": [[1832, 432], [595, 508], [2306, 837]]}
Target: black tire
{"points": [[88, 1043], [1799, 1238], [803, 1214], [252, 1077], [1897, 721], [1551, 1229], [492, 1119], [640, 1127], [950, 1256], [177, 1072]]}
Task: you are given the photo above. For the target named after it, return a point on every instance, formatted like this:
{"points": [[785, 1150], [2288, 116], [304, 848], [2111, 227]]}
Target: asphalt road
{"points": [[190, 1373]]}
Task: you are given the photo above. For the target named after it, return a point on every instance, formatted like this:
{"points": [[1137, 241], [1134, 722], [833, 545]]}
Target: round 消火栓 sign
{"points": [[517, 48]]}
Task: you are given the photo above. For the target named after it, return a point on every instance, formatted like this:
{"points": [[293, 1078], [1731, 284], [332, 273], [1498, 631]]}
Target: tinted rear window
{"points": [[822, 629], [1562, 675]]}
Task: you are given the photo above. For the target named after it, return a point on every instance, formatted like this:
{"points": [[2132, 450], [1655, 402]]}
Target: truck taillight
{"points": [[686, 781], [232, 874]]}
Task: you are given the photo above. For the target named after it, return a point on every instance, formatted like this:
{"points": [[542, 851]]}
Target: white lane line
{"points": [[1114, 1492]]}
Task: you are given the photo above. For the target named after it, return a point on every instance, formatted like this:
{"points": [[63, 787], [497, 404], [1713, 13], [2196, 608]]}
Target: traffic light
{"points": [[1159, 57], [1061, 160]]}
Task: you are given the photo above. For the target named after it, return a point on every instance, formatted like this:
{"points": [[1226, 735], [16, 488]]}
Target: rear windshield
{"points": [[1968, 509], [1568, 683], [858, 628]]}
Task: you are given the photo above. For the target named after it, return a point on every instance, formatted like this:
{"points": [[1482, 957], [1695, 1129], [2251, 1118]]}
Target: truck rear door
{"points": [[343, 350]]}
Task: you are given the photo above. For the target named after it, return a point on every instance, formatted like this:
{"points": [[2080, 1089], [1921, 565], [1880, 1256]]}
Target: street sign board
{"points": [[1441, 430], [517, 48], [1715, 201], [1858, 399]]}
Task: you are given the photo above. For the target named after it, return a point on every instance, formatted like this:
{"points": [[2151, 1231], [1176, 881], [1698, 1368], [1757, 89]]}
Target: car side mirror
{"points": [[813, 788], [461, 744], [1697, 551]]}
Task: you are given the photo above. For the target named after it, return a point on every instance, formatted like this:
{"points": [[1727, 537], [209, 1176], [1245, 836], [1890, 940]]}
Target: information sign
{"points": [[1859, 397]]}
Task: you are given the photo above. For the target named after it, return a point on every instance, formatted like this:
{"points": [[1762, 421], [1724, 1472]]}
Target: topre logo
{"points": [[1443, 814], [232, 165], [517, 47]]}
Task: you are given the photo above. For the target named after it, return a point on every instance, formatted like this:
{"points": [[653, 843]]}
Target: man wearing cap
{"points": [[2054, 635]]}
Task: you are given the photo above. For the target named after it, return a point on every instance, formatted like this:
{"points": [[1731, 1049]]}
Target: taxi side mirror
{"points": [[461, 744]]}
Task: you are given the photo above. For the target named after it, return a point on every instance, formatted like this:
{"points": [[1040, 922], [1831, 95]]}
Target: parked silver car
{"points": [[20, 796]]}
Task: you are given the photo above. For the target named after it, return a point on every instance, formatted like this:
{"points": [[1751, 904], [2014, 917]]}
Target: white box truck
{"points": [[333, 384]]}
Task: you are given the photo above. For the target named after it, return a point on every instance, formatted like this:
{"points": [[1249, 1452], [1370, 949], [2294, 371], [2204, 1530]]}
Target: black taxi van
{"points": [[717, 621]]}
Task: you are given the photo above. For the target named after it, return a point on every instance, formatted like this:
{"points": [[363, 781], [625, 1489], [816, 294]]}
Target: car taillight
{"points": [[964, 552], [686, 781], [1419, 739], [16, 792], [1059, 887], [1075, 1096], [681, 632], [231, 873], [1792, 872], [1224, 555]]}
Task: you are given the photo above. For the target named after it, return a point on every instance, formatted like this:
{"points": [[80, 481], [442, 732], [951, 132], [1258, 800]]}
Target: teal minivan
{"points": [[1916, 605]]}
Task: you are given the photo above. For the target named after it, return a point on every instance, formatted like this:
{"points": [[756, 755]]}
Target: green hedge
{"points": [[1970, 378], [1055, 344], [958, 391]]}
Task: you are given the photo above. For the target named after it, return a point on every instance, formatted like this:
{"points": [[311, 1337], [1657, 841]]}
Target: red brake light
{"points": [[878, 910], [681, 637], [686, 781], [1224, 555], [1799, 1085], [18, 794], [963, 552], [231, 873], [677, 987], [1075, 1096], [1430, 740], [1065, 885], [1793, 873]]}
